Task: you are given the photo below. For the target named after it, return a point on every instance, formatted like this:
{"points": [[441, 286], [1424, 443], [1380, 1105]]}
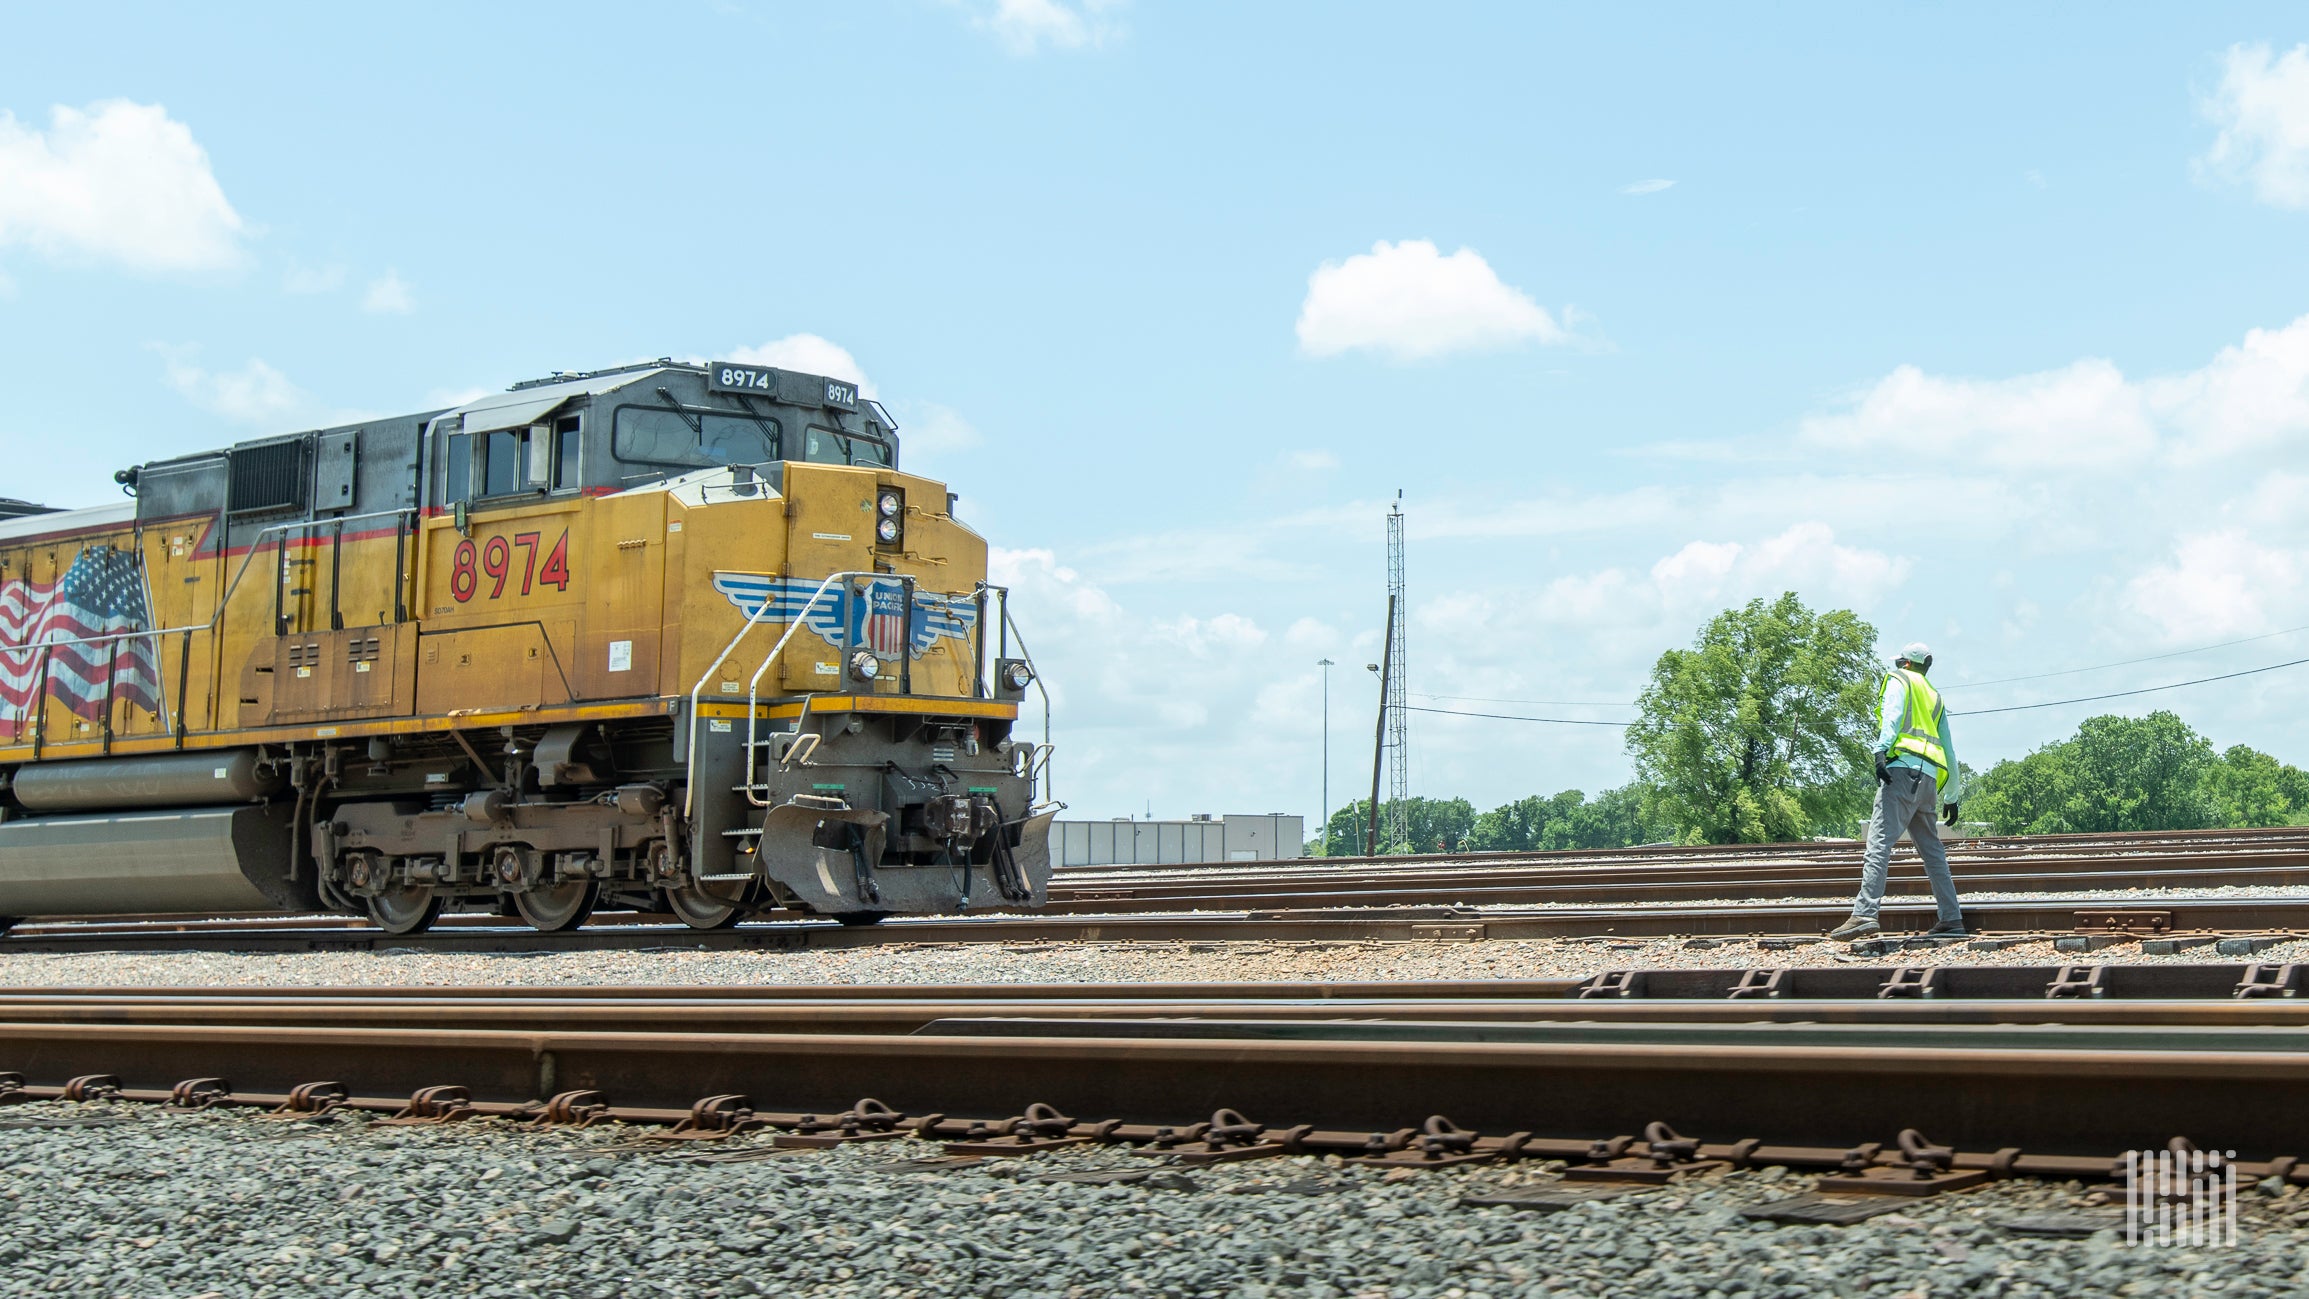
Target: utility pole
{"points": [[1384, 668], [1398, 711], [1324, 835]]}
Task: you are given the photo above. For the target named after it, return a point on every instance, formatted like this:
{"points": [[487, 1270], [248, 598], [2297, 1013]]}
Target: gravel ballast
{"points": [[907, 963], [228, 1203]]}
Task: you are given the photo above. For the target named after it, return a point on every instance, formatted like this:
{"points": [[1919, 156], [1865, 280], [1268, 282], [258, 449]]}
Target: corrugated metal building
{"points": [[1126, 842]]}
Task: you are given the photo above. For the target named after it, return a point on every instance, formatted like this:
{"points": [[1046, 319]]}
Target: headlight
{"points": [[864, 666], [1017, 676], [887, 529], [890, 505]]}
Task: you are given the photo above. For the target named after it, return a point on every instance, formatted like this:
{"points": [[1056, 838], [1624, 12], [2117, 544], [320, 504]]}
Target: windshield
{"points": [[655, 435], [824, 446]]}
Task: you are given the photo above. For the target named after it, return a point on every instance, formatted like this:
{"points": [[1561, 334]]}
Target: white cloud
{"points": [[116, 182], [256, 393], [1643, 187], [1028, 26], [1311, 461], [388, 294], [2217, 584], [1409, 301], [2079, 416], [2262, 108], [932, 429], [2086, 415], [809, 354], [1805, 558]]}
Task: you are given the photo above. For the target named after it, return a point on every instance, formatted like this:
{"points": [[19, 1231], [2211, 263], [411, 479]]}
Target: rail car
{"points": [[667, 636]]}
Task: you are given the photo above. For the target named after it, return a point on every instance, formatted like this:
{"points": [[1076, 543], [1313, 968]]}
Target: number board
{"points": [[762, 380], [728, 376]]}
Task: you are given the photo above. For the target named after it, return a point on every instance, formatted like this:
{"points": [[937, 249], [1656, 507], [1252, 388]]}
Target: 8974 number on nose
{"points": [[488, 569]]}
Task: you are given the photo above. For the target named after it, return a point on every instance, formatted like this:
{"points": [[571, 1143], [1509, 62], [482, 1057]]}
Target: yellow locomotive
{"points": [[670, 636]]}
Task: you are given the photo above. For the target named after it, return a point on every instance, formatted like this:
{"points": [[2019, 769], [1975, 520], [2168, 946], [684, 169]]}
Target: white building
{"points": [[1126, 841]]}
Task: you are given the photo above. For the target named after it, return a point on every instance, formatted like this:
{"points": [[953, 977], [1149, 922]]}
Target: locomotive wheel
{"points": [[701, 910], [557, 907], [411, 909], [861, 917]]}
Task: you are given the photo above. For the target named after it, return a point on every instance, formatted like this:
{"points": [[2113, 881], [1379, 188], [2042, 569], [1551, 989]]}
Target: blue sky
{"points": [[1980, 323]]}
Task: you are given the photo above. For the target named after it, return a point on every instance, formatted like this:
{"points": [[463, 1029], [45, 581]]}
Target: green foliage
{"points": [[2137, 773], [1437, 825], [1614, 819], [1761, 730]]}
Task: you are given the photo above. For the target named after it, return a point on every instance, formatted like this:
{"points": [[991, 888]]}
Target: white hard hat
{"points": [[1916, 651]]}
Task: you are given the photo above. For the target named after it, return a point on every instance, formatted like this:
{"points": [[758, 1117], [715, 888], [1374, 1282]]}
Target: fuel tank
{"points": [[211, 860]]}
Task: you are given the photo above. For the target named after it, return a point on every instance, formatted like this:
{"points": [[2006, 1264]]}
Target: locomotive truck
{"points": [[666, 636]]}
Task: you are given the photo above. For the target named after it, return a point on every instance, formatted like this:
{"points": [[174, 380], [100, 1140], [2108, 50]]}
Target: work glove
{"points": [[1883, 773], [1948, 814]]}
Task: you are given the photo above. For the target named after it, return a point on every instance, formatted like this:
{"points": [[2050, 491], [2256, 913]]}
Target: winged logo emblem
{"points": [[870, 614]]}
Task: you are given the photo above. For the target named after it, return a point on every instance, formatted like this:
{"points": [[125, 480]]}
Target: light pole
{"points": [[1325, 832]]}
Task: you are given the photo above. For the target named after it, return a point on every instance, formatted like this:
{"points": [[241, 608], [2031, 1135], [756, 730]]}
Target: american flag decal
{"points": [[103, 592]]}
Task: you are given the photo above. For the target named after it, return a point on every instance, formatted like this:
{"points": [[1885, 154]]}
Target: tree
{"points": [[1762, 729], [2248, 787], [1437, 825], [1522, 825], [2130, 773], [1616, 818]]}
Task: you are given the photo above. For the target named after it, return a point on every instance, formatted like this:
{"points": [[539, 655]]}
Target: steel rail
{"points": [[2076, 1092]]}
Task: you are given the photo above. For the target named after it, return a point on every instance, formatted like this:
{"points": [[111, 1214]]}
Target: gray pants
{"points": [[1908, 802]]}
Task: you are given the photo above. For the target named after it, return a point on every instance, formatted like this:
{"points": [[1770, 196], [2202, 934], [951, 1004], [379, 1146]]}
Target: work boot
{"points": [[1948, 929], [1853, 930]]}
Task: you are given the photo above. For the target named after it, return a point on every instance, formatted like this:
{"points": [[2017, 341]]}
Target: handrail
{"points": [[37, 706], [690, 761], [1047, 747], [222, 603], [754, 683]]}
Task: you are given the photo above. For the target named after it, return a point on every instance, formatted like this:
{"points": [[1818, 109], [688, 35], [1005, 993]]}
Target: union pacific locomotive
{"points": [[670, 637]]}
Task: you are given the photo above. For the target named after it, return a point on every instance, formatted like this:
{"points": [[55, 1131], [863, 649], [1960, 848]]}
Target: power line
{"points": [[1559, 721], [2153, 658], [2126, 694], [1540, 703]]}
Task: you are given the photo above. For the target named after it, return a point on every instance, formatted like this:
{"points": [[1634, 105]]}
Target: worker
{"points": [[1915, 770]]}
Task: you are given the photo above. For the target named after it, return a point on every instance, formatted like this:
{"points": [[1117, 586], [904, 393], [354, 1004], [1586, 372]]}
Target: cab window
{"points": [[825, 446]]}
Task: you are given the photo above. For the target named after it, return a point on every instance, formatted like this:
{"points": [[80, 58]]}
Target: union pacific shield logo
{"points": [[870, 614]]}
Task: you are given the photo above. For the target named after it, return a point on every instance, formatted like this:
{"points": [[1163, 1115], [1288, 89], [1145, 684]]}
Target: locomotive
{"points": [[674, 637]]}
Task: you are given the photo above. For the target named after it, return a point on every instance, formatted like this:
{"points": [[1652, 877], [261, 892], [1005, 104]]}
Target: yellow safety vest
{"points": [[1921, 727]]}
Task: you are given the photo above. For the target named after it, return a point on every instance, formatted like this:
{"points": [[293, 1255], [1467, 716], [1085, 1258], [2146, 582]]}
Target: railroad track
{"points": [[1410, 1075], [2167, 923], [2170, 860]]}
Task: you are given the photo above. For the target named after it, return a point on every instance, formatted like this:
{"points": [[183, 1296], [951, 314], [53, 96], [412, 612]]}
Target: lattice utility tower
{"points": [[1398, 693]]}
